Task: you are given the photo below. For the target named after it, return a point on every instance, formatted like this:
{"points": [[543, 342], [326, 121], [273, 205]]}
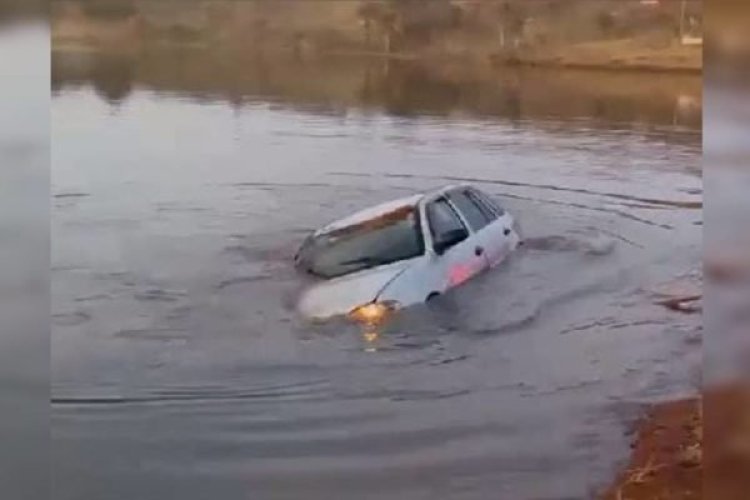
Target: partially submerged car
{"points": [[403, 252]]}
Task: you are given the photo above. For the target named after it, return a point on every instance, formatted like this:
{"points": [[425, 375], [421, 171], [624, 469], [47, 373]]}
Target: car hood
{"points": [[340, 295]]}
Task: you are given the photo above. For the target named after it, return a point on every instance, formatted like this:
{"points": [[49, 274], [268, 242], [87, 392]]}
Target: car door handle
{"points": [[506, 231], [478, 251]]}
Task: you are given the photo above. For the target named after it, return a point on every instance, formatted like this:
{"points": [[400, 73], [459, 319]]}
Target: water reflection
{"points": [[396, 87], [370, 336], [114, 78]]}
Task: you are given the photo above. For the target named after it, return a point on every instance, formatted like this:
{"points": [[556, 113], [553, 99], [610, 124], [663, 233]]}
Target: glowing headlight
{"points": [[374, 312]]}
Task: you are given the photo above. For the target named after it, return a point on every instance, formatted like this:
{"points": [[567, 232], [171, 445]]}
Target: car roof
{"points": [[445, 189], [372, 213], [386, 207]]}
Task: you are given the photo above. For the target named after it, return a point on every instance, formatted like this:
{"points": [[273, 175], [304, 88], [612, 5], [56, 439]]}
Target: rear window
{"points": [[389, 238], [471, 210], [486, 202]]}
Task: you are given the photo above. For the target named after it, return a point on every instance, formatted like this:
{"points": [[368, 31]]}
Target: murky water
{"points": [[180, 368], [24, 259]]}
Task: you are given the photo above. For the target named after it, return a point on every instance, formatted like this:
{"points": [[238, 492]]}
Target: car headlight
{"points": [[374, 312]]}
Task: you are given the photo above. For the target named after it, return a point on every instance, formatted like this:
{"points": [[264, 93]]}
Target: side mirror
{"points": [[449, 239]]}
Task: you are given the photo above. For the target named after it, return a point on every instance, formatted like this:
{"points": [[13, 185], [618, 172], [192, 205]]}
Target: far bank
{"points": [[583, 35]]}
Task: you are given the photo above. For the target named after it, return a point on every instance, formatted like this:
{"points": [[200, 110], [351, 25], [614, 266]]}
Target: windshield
{"points": [[388, 238]]}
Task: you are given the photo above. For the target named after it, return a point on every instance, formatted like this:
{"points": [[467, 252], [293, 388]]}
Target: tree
{"points": [[389, 26], [605, 21], [370, 14], [511, 23], [384, 17]]}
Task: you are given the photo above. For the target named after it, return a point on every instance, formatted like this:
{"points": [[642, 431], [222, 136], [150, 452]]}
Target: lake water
{"points": [[24, 259], [182, 184]]}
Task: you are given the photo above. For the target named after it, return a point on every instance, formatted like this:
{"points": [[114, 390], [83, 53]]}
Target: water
{"points": [[24, 259], [180, 368]]}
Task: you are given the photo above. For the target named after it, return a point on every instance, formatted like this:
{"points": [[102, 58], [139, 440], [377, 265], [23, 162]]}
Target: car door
{"points": [[489, 239], [499, 234], [462, 260]]}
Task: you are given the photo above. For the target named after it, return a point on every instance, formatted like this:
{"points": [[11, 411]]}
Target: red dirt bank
{"points": [[691, 449]]}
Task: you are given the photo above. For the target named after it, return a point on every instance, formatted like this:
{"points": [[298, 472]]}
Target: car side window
{"points": [[443, 219], [487, 203], [473, 212]]}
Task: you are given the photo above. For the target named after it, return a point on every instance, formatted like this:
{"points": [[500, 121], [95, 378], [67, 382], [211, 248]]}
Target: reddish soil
{"points": [[691, 449]]}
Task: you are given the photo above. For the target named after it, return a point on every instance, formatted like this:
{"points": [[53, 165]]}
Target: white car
{"points": [[403, 252]]}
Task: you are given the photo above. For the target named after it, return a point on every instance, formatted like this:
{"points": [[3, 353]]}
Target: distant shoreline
{"points": [[642, 66], [612, 37]]}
